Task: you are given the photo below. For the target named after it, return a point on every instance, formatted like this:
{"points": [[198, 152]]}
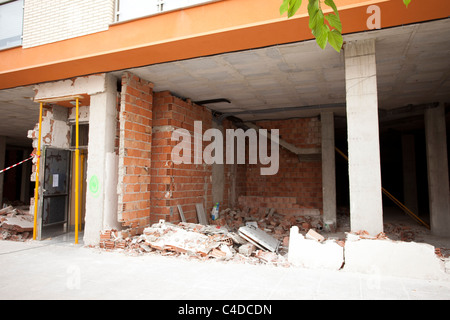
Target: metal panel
{"points": [[259, 238], [55, 191]]}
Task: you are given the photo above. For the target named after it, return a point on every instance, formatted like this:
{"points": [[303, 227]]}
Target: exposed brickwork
{"points": [[283, 205], [296, 180], [135, 152], [151, 185], [177, 184]]}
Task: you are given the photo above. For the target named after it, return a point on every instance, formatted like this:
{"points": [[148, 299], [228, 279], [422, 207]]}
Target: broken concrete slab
{"points": [[17, 224], [247, 249], [6, 210], [395, 258], [313, 254]]}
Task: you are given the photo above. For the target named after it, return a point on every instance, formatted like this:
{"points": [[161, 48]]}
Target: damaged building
{"points": [[99, 103]]}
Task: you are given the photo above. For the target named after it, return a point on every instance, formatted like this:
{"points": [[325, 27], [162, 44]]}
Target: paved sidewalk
{"points": [[61, 270]]}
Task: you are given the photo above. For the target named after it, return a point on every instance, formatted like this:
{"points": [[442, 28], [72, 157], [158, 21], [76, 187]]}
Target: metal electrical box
{"points": [[259, 238]]}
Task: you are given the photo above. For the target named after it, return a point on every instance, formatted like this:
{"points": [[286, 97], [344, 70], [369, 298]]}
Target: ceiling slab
{"points": [[18, 115], [412, 68], [284, 81]]}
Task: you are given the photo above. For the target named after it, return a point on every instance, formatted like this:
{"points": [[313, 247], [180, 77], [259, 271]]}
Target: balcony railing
{"points": [[131, 9]]}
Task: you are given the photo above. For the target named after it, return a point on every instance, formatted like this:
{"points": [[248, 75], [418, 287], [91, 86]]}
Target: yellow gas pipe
{"points": [[36, 188], [77, 155]]}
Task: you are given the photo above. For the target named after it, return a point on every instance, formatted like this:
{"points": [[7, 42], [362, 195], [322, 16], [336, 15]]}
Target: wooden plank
{"points": [[180, 210], [201, 214]]}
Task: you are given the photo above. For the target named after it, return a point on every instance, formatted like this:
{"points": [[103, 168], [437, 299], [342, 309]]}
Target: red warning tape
{"points": [[15, 165]]}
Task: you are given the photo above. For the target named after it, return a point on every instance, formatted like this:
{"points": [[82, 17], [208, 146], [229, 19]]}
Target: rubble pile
{"points": [[269, 221], [16, 223], [193, 241], [400, 232]]}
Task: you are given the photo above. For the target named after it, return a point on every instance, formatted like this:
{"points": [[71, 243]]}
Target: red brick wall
{"points": [[177, 184], [298, 184], [135, 152]]}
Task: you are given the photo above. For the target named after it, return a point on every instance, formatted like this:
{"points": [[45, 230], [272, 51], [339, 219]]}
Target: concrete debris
{"points": [[16, 223], [298, 240], [312, 251], [269, 221], [247, 249], [395, 258], [313, 235], [192, 241]]}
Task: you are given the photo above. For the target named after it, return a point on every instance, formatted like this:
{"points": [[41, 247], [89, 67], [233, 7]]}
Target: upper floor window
{"points": [[130, 9], [11, 23]]}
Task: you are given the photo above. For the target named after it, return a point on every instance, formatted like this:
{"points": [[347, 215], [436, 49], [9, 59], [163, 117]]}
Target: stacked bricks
{"points": [[177, 184], [283, 205], [112, 239], [135, 152], [301, 181]]}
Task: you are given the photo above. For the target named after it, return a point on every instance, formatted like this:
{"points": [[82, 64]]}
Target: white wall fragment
{"points": [[313, 254], [393, 258]]}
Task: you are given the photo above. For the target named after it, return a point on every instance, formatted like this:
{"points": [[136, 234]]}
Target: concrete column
{"points": [[437, 162], [2, 166], [328, 167], [218, 177], [101, 197], [366, 206], [409, 173]]}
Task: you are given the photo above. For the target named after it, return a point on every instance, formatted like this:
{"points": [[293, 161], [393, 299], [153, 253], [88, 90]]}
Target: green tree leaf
{"points": [[313, 7], [315, 20], [321, 33], [334, 21], [335, 39], [331, 4], [284, 6], [319, 29], [293, 7]]}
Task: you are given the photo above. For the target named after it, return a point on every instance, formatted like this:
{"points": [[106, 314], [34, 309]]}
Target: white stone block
{"points": [[393, 258], [312, 254]]}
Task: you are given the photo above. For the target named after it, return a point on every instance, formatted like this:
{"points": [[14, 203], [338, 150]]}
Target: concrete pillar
{"points": [[101, 197], [328, 167], [2, 166], [218, 177], [366, 206], [437, 162], [409, 173]]}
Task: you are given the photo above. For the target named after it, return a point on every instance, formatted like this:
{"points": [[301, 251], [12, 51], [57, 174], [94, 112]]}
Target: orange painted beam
{"points": [[220, 27]]}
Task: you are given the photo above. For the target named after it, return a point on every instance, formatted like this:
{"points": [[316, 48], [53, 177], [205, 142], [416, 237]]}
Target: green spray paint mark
{"points": [[94, 186]]}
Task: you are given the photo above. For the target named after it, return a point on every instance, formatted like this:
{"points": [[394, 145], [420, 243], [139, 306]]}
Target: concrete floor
{"points": [[58, 269]]}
